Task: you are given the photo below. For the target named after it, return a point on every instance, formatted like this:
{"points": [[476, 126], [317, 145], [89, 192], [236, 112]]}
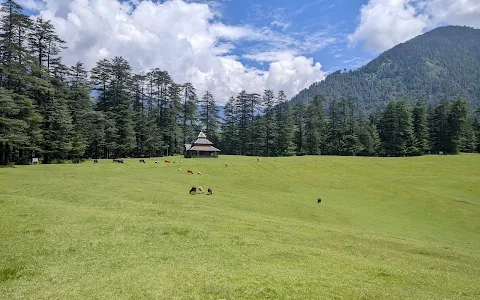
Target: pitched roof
{"points": [[201, 135], [204, 148], [187, 146], [202, 141]]}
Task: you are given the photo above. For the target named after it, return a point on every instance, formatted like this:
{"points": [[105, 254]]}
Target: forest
{"points": [[60, 113]]}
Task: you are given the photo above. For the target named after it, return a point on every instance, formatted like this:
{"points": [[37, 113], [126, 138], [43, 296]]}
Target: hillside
{"points": [[443, 63]]}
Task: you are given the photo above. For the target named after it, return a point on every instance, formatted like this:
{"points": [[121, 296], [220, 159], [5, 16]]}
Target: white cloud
{"points": [[455, 12], [184, 38], [386, 23]]}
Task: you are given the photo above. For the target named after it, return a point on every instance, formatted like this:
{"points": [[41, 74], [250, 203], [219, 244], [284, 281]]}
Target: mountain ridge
{"points": [[441, 64]]}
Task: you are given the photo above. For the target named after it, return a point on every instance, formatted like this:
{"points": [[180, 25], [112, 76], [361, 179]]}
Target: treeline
{"points": [[58, 112], [338, 128], [47, 109]]}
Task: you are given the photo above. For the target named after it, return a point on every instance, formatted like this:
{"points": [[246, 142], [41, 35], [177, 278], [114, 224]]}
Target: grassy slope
{"points": [[387, 228]]}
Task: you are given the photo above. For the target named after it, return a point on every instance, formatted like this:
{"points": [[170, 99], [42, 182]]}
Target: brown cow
{"points": [[226, 165], [189, 171], [200, 189], [167, 161]]}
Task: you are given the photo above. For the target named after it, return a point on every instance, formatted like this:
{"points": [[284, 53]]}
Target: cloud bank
{"points": [[386, 23], [184, 38]]}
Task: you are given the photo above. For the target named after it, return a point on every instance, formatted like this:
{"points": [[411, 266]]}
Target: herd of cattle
{"points": [[193, 190]]}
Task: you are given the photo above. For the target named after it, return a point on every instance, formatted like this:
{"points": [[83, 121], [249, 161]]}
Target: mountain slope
{"points": [[443, 63]]}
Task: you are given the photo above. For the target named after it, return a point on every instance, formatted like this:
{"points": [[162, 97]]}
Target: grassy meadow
{"points": [[387, 228]]}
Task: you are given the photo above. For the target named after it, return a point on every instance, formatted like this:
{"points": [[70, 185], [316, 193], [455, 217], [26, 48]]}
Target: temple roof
{"points": [[204, 148], [202, 140]]}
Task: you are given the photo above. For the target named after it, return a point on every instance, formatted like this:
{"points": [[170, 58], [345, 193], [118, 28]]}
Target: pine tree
{"points": [[208, 117], [242, 108], [315, 126], [440, 135], [230, 142], [81, 106], [420, 126], [396, 130], [457, 121], [269, 103], [188, 111], [300, 115], [284, 145]]}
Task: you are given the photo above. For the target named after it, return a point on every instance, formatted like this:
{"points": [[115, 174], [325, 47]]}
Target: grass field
{"points": [[387, 228]]}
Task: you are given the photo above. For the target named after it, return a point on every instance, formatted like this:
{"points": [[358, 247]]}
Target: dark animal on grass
{"points": [[118, 161], [319, 200], [167, 161], [95, 161], [189, 171], [226, 165], [193, 190], [210, 192], [199, 173], [142, 161]]}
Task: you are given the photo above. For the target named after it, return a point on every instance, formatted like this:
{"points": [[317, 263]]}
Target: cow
{"points": [[199, 173], [120, 161], [210, 192], [193, 190], [167, 161], [141, 160], [200, 189], [95, 161], [189, 171], [226, 165], [319, 200], [157, 162]]}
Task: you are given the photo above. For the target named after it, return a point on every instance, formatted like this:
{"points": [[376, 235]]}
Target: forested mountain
{"points": [[441, 64]]}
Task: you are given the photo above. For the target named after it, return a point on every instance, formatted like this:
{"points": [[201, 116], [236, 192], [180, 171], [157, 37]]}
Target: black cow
{"points": [[142, 160], [319, 200], [120, 161], [193, 190], [95, 161], [210, 192]]}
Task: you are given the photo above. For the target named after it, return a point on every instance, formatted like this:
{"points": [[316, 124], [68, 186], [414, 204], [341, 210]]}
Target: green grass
{"points": [[406, 228]]}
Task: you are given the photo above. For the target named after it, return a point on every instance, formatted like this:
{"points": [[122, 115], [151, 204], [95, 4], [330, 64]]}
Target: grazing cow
{"points": [[119, 161], [319, 200], [156, 162], [226, 165], [189, 171], [199, 173], [142, 161], [95, 161], [193, 190], [167, 161], [210, 192], [200, 189]]}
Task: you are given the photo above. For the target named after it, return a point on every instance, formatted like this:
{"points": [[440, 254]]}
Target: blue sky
{"points": [[330, 18], [226, 46]]}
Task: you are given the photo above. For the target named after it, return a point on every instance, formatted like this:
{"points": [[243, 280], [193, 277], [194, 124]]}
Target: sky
{"points": [[226, 46]]}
